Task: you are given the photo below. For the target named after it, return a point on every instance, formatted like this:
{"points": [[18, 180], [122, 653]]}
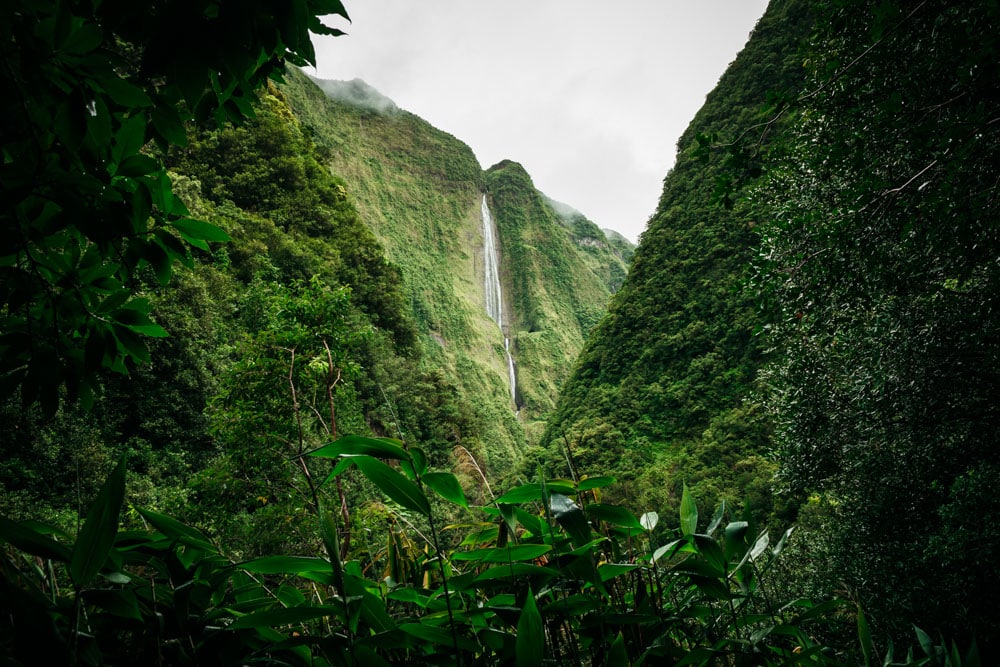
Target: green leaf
{"points": [[528, 520], [419, 465], [520, 552], [865, 637], [125, 93], [269, 618], [152, 330], [117, 603], [618, 516], [331, 540], [530, 635], [285, 565], [612, 570], [31, 540], [617, 655], [720, 512], [97, 536], [371, 608], [780, 546], [192, 229], [595, 483], [533, 491], [572, 519], [446, 485], [762, 542], [683, 545], [130, 137], [410, 595], [342, 465], [394, 484], [688, 512], [926, 643], [736, 542], [137, 165], [324, 7], [355, 445], [516, 571], [436, 635], [168, 124], [84, 39], [176, 530]]}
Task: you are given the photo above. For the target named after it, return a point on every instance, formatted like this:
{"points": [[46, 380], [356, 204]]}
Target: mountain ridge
{"points": [[419, 189]]}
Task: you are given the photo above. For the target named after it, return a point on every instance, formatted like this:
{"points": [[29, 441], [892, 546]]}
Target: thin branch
{"points": [[917, 175]]}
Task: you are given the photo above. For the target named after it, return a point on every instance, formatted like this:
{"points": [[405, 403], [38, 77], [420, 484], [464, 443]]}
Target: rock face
{"points": [[421, 191]]}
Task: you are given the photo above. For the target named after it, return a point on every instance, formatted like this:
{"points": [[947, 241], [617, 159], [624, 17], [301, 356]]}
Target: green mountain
{"points": [[813, 311], [356, 227], [420, 190], [210, 306], [659, 394]]}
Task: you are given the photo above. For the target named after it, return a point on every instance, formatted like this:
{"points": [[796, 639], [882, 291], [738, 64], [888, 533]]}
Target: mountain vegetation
{"points": [[557, 290], [878, 264], [660, 393], [420, 190], [252, 409], [809, 322]]}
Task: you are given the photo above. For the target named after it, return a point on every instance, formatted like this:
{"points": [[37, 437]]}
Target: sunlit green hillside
{"points": [[420, 190]]}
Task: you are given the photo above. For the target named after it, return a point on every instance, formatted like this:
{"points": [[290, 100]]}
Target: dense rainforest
{"points": [[255, 409], [808, 327]]}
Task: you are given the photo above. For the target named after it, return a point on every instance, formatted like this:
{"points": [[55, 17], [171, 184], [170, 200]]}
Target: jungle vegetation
{"points": [[252, 412]]}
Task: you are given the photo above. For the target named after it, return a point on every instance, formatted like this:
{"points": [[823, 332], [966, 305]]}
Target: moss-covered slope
{"points": [[658, 396], [555, 294], [420, 190]]}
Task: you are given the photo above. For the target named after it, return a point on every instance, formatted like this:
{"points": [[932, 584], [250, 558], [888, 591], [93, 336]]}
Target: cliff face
{"points": [[420, 191], [658, 395]]}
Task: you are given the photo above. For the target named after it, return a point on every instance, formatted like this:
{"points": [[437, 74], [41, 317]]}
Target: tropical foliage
{"points": [[324, 465], [879, 261], [85, 207], [546, 573]]}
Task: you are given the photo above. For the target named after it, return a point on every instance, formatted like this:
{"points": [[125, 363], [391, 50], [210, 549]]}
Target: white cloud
{"points": [[590, 100]]}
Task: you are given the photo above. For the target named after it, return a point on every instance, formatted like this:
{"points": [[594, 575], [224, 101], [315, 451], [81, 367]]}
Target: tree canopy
{"points": [[85, 203]]}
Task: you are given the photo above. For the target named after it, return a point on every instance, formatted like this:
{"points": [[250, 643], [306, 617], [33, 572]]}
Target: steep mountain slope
{"points": [[608, 253], [556, 294], [292, 333], [420, 190], [658, 395]]}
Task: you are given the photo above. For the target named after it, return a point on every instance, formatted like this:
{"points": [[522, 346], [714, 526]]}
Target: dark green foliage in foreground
{"points": [[83, 205], [546, 574], [661, 390], [880, 262]]}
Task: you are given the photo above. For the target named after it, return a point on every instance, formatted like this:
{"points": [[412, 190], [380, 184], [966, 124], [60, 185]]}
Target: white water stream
{"points": [[494, 293]]}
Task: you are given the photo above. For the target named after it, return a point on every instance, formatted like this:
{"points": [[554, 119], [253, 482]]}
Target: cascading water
{"points": [[494, 293]]}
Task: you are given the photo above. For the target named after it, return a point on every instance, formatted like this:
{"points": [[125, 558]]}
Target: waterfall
{"points": [[494, 293]]}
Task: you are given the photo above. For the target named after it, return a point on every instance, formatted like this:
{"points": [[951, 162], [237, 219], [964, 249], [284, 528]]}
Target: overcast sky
{"points": [[590, 97]]}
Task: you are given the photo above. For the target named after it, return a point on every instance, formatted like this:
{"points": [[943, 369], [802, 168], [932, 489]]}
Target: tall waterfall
{"points": [[494, 293]]}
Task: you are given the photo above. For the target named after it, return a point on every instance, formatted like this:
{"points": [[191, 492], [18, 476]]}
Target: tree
{"points": [[92, 89], [880, 263]]}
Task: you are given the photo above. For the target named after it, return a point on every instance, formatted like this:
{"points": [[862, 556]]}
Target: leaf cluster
{"points": [[547, 574], [86, 200]]}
